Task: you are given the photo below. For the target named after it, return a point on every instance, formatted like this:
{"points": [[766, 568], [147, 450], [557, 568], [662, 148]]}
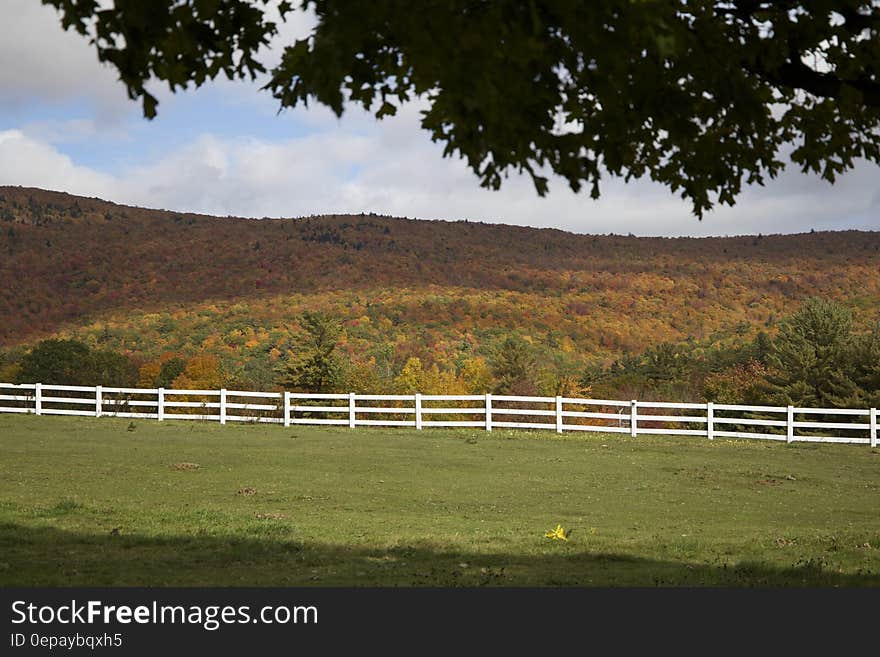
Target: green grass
{"points": [[99, 502]]}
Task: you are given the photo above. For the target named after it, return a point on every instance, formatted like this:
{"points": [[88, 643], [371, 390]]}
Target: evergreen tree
{"points": [[666, 362], [512, 366], [170, 370], [812, 357], [71, 362], [108, 368], [61, 362], [761, 347], [314, 367], [866, 365]]}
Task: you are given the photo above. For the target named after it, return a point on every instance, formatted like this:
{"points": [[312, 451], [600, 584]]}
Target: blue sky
{"points": [[66, 124]]}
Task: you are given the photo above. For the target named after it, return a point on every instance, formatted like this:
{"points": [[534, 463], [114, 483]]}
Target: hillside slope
{"points": [[146, 281]]}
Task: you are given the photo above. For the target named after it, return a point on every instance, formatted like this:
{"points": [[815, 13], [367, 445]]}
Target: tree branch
{"points": [[797, 75]]}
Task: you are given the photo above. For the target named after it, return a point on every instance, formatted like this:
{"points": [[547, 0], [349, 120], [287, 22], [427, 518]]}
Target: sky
{"points": [[67, 124]]}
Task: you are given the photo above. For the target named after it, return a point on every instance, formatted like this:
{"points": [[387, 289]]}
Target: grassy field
{"points": [[112, 502]]}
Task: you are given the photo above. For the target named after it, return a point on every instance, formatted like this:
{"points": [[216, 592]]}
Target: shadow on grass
{"points": [[52, 557]]}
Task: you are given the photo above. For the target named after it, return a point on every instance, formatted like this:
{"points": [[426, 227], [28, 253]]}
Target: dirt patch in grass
{"points": [[270, 516], [247, 491], [775, 480], [183, 466]]}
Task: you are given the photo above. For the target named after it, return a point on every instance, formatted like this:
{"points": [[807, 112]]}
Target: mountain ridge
{"points": [[72, 262], [18, 192]]}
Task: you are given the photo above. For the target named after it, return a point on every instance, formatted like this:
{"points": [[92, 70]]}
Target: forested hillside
{"points": [[155, 285]]}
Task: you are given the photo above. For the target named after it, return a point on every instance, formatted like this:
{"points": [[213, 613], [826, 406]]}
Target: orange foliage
{"points": [[202, 372]]}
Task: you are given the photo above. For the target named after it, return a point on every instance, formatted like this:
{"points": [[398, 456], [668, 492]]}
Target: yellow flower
{"points": [[558, 534]]}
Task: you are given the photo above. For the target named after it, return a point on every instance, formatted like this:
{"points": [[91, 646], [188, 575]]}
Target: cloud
{"points": [[223, 150], [395, 169], [43, 63], [29, 162]]}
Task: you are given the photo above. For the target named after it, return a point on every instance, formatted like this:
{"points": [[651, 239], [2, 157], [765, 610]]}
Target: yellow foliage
{"points": [[570, 386], [363, 378], [149, 371], [202, 372], [411, 378], [442, 382], [9, 372], [476, 377]]}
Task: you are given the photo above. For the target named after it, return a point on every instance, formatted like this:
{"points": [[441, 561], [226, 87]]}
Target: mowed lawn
{"points": [[112, 502]]}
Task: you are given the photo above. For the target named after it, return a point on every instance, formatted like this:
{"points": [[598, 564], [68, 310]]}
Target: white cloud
{"points": [[352, 164], [43, 63], [26, 161], [395, 169]]}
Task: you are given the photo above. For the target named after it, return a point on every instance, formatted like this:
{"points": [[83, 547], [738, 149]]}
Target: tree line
{"points": [[816, 359]]}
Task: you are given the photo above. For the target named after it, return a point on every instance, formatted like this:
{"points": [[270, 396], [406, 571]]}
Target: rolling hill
{"points": [[147, 282]]}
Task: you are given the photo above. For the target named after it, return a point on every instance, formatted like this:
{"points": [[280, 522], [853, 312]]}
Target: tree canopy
{"points": [[701, 96], [314, 366], [70, 362]]}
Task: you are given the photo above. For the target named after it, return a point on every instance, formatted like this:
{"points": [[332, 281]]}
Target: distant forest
{"points": [[371, 303]]}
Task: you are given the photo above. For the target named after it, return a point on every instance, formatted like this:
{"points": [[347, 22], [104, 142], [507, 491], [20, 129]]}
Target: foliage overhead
{"points": [[698, 96]]}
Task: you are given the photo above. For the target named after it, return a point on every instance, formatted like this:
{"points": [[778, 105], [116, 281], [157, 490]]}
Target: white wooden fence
{"points": [[782, 423]]}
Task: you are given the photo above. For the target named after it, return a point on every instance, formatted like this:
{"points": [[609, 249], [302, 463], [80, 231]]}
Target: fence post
{"points": [[222, 405], [351, 410], [160, 411], [418, 411], [38, 399], [633, 418], [558, 414], [286, 408], [789, 424], [873, 427], [710, 421], [99, 403], [488, 411]]}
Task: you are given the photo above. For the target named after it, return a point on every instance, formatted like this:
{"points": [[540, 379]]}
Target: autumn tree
{"points": [[740, 384], [161, 372], [701, 96], [364, 378], [202, 372], [476, 376], [412, 377]]}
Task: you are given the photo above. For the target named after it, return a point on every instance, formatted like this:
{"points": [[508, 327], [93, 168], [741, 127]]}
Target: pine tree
{"points": [[314, 366], [812, 357], [866, 365], [512, 367]]}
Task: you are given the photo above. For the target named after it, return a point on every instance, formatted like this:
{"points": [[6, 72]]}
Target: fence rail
{"points": [[781, 423]]}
